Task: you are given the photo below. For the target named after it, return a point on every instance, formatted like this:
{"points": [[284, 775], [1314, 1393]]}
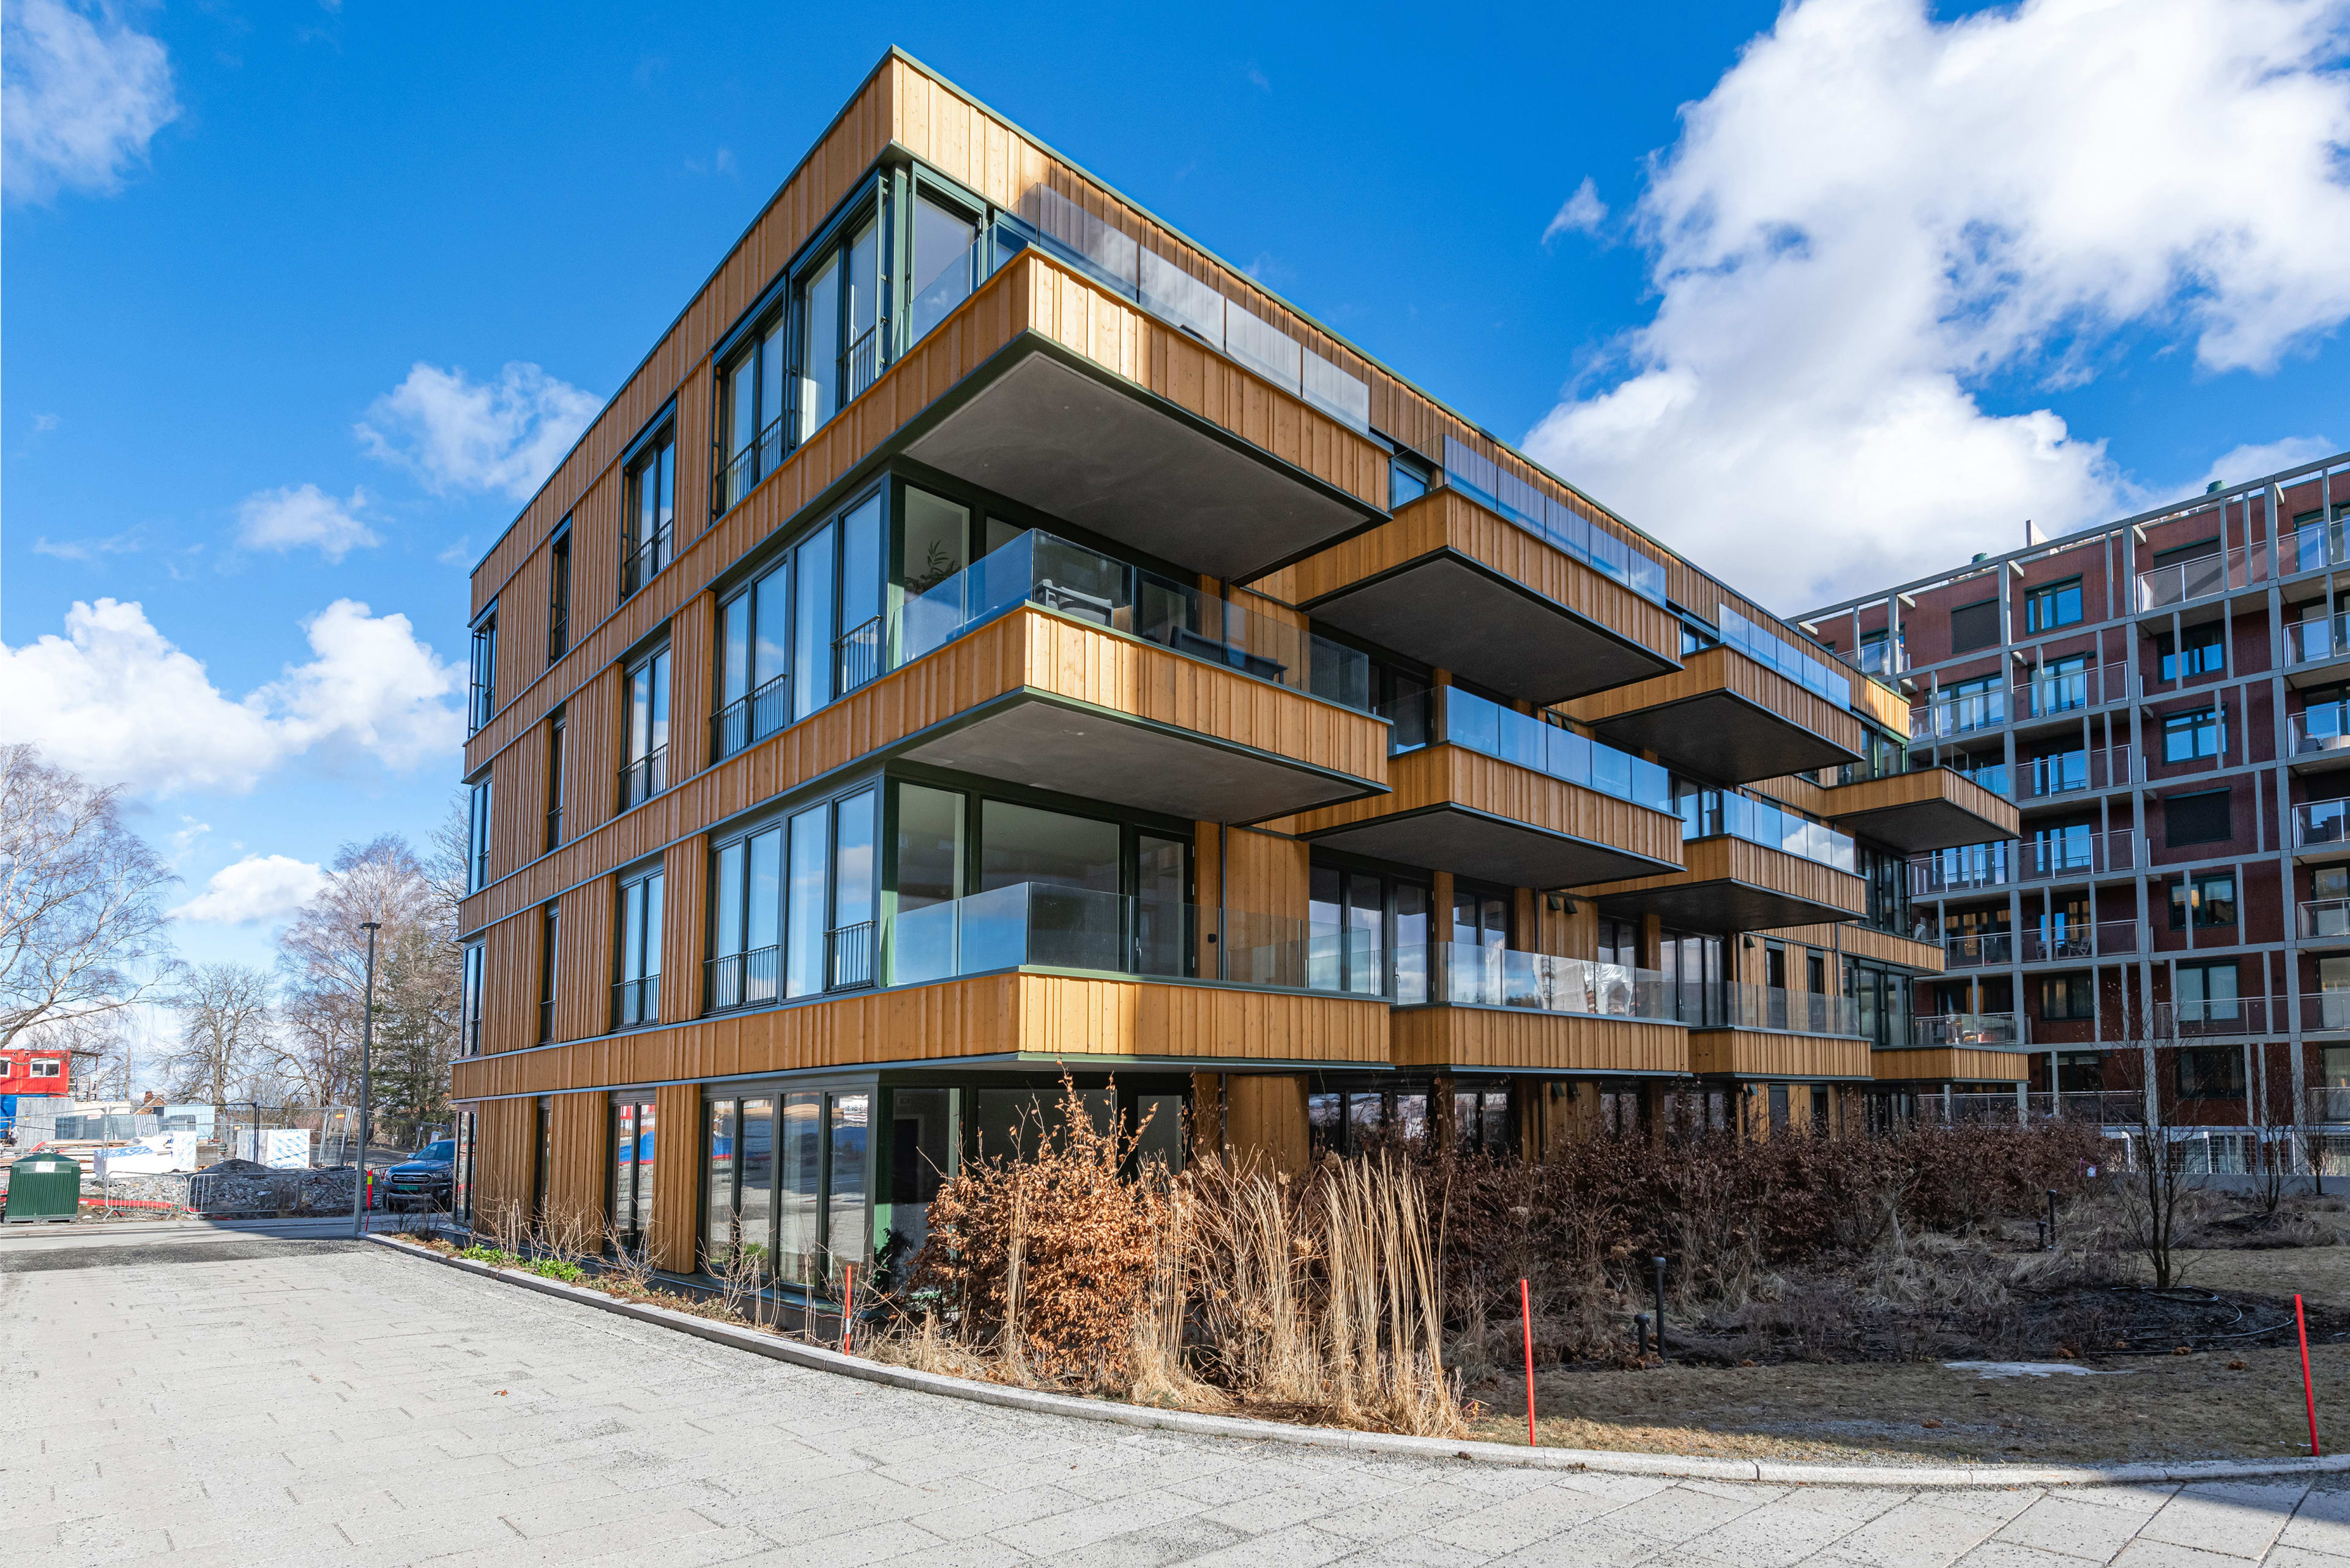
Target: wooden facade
{"points": [[1249, 1053], [1950, 1064]]}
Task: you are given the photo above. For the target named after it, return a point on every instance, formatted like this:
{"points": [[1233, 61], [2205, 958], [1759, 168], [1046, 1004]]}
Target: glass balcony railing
{"points": [[2222, 1015], [1980, 952], [1043, 926], [2320, 640], [1466, 975], [1052, 573], [2325, 727], [2050, 692], [2318, 824], [1553, 522], [1712, 814], [2325, 919], [2330, 1103], [2063, 941], [1965, 867], [1991, 776], [1960, 713], [2066, 772], [1789, 1012], [1463, 718], [1775, 652], [1109, 255], [2314, 547], [1995, 1030]]}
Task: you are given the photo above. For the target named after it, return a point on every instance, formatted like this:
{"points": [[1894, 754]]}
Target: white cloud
{"points": [[1581, 212], [81, 95], [285, 519], [1873, 210], [459, 434], [2268, 457], [258, 887], [115, 700], [130, 541]]}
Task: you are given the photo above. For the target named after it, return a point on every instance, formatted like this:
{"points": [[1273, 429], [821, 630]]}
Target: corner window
{"points": [[644, 772], [558, 593], [647, 532], [635, 992], [477, 836], [2208, 901], [2057, 604], [482, 696], [946, 261], [2187, 736]]}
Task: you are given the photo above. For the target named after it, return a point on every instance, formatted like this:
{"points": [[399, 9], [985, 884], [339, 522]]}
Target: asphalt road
{"points": [[305, 1400]]}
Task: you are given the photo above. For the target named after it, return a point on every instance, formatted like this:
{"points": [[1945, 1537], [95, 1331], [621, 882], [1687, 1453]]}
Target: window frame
{"points": [[558, 591], [478, 809], [830, 247], [2043, 594], [640, 894], [2194, 892], [644, 773], [469, 1001], [645, 551], [2196, 722], [2080, 994], [482, 671], [2227, 835]]}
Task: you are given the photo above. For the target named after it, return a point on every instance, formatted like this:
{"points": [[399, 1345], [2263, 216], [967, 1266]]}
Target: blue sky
{"points": [[302, 300]]}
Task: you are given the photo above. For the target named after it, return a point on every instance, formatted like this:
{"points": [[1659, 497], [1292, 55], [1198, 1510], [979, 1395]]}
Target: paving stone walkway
{"points": [[348, 1406]]}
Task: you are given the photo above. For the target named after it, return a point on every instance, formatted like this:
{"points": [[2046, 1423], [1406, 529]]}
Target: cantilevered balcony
{"points": [[1511, 606], [1748, 865], [1484, 791], [1931, 809], [1726, 715], [1488, 1009]]}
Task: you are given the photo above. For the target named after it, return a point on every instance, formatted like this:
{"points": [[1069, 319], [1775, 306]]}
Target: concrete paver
{"points": [[310, 1404]]}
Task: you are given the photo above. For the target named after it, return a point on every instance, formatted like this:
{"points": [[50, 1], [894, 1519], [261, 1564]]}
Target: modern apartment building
{"points": [[991, 636], [2166, 701]]}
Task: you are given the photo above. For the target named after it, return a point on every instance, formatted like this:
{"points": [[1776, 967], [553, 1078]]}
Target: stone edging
{"points": [[1596, 1460]]}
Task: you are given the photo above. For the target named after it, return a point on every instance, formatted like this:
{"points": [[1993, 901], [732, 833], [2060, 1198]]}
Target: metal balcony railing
{"points": [[1995, 1031], [747, 720], [742, 980], [1958, 714], [636, 1002], [857, 654], [850, 956], [760, 457], [2048, 693], [2318, 640], [2328, 1105], [644, 778], [2066, 772], [860, 365], [642, 559], [2327, 1013], [2226, 1016], [2057, 856], [1979, 951]]}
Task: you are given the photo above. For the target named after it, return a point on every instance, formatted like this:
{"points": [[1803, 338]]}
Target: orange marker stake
{"points": [[1526, 1316], [2308, 1389]]}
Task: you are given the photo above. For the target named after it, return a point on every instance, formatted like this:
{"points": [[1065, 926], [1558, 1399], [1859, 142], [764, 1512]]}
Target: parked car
{"points": [[426, 1180]]}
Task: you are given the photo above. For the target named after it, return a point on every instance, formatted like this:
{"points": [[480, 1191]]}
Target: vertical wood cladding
{"points": [[1048, 1016], [685, 910], [580, 1128], [1265, 1117], [583, 996], [677, 1189], [691, 683]]}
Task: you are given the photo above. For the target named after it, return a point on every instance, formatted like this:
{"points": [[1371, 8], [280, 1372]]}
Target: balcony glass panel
{"points": [[1052, 573], [1958, 714], [2325, 917], [1040, 925], [1468, 975], [1710, 814], [2315, 641], [1980, 1029], [1494, 488], [1775, 652], [1964, 867], [1789, 1012], [2322, 727], [1465, 718], [2320, 821]]}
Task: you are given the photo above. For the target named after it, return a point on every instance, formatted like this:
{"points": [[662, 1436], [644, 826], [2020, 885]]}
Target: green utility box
{"points": [[44, 1187]]}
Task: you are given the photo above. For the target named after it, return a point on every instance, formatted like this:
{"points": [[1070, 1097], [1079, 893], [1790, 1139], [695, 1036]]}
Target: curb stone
{"points": [[1592, 1460]]}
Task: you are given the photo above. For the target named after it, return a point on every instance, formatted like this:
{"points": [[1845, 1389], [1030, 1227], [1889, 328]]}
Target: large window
{"points": [[636, 990], [1370, 934], [2206, 994], [2187, 736], [840, 318], [554, 739], [477, 836], [481, 695], [1693, 972], [2058, 604], [754, 694], [792, 907], [2210, 1072], [632, 1169], [786, 1182], [807, 630], [644, 772], [751, 413], [946, 264], [2067, 996], [647, 533]]}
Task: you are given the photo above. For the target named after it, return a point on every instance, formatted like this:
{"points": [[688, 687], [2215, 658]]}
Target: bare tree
{"points": [[102, 1048], [419, 973], [224, 1017], [2159, 1203], [81, 927]]}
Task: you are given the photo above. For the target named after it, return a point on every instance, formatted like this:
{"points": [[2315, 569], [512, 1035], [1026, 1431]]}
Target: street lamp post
{"points": [[367, 1067]]}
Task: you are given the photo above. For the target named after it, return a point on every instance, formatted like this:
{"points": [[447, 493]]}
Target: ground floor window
{"points": [[2210, 1072], [1481, 1117], [2080, 1072], [785, 1185], [631, 1207], [1349, 1121]]}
